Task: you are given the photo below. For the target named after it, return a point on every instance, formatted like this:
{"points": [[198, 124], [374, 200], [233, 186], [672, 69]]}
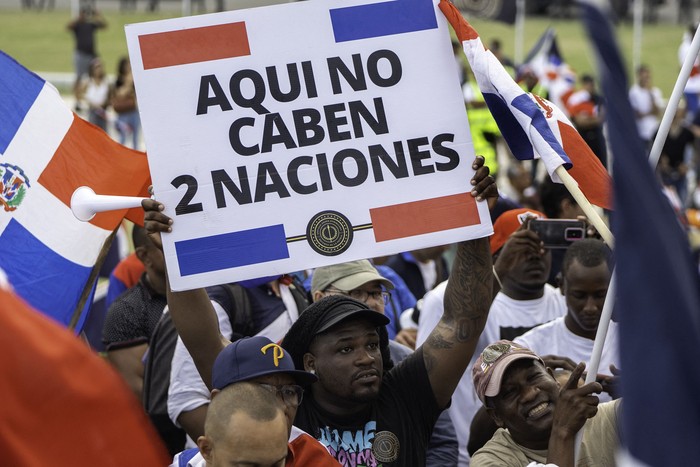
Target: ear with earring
{"points": [[312, 371]]}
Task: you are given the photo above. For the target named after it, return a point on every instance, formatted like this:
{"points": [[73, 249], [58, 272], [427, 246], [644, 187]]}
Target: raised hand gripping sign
{"points": [[305, 134]]}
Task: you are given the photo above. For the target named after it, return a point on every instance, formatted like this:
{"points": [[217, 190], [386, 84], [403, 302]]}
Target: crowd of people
{"points": [[456, 355], [679, 158]]}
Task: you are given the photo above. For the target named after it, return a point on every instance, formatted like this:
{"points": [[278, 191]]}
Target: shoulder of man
{"points": [[131, 297], [501, 451]]}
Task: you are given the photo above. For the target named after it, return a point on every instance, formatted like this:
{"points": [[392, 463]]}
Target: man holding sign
{"points": [[362, 413], [346, 140]]}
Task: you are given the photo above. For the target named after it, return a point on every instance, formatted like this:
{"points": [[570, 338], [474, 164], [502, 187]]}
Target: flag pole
{"points": [[588, 209], [603, 325], [606, 314], [77, 312], [637, 41], [519, 31], [673, 101], [597, 352]]}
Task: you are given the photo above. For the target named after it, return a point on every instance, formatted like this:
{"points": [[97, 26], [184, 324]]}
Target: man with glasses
{"points": [[363, 282], [259, 360], [355, 279]]}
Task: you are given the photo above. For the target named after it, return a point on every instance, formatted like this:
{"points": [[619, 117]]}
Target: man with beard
{"points": [[537, 417]]}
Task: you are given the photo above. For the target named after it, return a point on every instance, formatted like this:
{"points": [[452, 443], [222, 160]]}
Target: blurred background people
{"points": [[124, 104]]}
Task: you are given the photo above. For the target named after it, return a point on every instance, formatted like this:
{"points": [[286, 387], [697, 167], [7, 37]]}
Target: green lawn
{"points": [[41, 42], [659, 45]]}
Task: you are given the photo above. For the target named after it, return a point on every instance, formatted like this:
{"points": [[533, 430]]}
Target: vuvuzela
{"points": [[85, 203]]}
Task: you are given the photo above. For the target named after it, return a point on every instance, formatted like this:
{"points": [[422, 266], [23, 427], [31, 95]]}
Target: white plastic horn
{"points": [[85, 203]]}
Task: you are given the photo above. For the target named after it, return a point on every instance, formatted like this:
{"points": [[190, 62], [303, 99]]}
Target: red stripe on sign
{"points": [[194, 45], [422, 217]]}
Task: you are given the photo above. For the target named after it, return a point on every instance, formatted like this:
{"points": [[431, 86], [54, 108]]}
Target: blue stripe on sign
{"points": [[231, 250], [49, 282], [382, 19], [19, 89]]}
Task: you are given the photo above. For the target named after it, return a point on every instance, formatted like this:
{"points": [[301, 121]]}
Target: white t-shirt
{"points": [[187, 391], [428, 271], [641, 100], [509, 318], [96, 94], [554, 338], [693, 83]]}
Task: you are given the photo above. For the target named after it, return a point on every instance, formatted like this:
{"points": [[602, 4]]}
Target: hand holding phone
{"points": [[558, 233]]}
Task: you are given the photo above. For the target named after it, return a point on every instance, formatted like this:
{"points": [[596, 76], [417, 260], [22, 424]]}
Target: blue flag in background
{"points": [[658, 299]]}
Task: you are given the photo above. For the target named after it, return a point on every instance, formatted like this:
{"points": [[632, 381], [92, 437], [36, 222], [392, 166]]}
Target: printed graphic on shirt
{"points": [[354, 448]]}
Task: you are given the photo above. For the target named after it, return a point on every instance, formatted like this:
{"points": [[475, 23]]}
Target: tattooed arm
{"points": [[449, 347]]}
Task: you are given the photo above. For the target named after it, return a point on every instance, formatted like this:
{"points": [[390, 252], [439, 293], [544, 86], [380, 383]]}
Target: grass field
{"points": [[40, 41]]}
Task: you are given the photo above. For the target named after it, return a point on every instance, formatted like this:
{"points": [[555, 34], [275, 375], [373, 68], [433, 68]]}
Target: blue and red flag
{"points": [[532, 126], [547, 63], [658, 298], [46, 152]]}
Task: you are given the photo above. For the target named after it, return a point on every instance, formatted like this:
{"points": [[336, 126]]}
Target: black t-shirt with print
{"points": [[394, 431]]}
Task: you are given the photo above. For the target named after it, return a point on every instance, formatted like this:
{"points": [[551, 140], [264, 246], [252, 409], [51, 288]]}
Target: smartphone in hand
{"points": [[558, 233]]}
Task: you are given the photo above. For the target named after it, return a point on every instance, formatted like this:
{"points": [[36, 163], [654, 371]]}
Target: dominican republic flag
{"points": [[546, 61], [62, 404], [46, 152], [532, 126], [658, 297]]}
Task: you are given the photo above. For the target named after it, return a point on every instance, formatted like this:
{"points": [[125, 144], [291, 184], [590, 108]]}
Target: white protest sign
{"points": [[299, 135]]}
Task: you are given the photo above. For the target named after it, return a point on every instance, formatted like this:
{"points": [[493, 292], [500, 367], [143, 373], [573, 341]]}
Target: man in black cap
{"points": [[363, 415], [361, 280]]}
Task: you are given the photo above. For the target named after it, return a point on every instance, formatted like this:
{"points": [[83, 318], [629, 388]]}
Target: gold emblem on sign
{"points": [[329, 233]]}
